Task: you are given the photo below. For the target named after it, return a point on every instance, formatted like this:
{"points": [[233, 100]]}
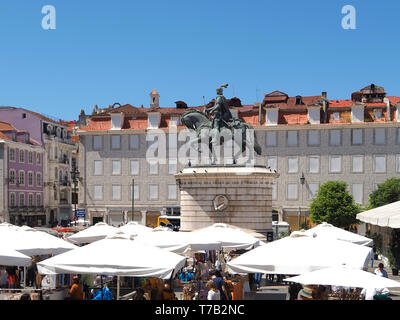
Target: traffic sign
{"points": [[80, 213]]}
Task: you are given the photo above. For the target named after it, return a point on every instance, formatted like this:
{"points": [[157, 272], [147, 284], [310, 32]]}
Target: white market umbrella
{"points": [[344, 276], [178, 242], [161, 228], [167, 240], [300, 254], [328, 231], [133, 227], [383, 216], [115, 255], [8, 227], [32, 242], [10, 257], [229, 237], [94, 233], [198, 242]]}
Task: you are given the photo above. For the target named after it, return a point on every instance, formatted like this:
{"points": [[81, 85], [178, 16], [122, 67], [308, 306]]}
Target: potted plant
{"points": [[394, 251], [392, 263]]}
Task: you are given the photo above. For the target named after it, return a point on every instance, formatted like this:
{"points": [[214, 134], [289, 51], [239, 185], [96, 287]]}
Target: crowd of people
{"points": [[319, 292], [9, 277]]}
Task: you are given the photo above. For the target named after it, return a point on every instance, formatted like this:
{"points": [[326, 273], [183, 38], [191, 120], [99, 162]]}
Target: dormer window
{"points": [[299, 100], [336, 116], [377, 114]]}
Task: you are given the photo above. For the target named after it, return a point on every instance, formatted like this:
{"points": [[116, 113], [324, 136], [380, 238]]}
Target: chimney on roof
{"points": [[95, 109], [299, 100], [260, 117], [388, 109], [324, 99], [181, 104]]}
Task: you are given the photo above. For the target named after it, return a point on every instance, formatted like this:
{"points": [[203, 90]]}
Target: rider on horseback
{"points": [[220, 110]]}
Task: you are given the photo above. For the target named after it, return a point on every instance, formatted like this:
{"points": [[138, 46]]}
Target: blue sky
{"points": [[103, 52]]}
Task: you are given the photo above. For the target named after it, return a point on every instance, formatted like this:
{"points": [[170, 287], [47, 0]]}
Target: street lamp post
{"points": [[302, 181], [75, 177], [133, 197]]}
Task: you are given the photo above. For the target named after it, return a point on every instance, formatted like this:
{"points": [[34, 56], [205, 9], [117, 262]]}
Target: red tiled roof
{"points": [[97, 125], [347, 103], [136, 118], [4, 137], [340, 103], [393, 99], [127, 109], [375, 104], [69, 124], [247, 108], [138, 124], [290, 104], [173, 110], [5, 126]]}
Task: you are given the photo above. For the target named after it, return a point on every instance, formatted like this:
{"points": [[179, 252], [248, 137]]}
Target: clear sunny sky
{"points": [[103, 52]]}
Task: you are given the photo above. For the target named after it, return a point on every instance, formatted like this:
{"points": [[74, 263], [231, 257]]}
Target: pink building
{"points": [[21, 166]]}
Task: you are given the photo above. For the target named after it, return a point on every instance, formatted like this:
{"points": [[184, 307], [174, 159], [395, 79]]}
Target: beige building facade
{"points": [[355, 140]]}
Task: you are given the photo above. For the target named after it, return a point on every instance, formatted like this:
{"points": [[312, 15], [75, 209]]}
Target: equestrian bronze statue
{"points": [[216, 123]]}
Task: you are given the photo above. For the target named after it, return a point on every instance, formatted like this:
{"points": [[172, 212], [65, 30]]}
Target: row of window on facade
{"points": [[313, 138], [335, 137], [335, 164], [21, 201], [21, 178], [116, 192], [357, 189], [59, 154], [292, 191], [134, 167], [116, 142], [313, 165], [22, 156], [60, 175]]}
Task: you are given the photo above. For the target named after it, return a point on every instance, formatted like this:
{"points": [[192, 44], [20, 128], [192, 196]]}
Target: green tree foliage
{"points": [[334, 205], [387, 192]]}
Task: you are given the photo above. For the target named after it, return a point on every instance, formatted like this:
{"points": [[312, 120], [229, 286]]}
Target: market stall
{"points": [[346, 278], [94, 233], [33, 244], [298, 254], [11, 257], [116, 255], [328, 231], [134, 228], [229, 237]]}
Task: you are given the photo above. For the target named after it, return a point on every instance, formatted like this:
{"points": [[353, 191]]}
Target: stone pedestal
{"points": [[232, 194]]}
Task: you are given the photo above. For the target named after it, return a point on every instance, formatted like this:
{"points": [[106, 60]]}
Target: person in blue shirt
{"points": [[380, 271], [107, 295], [219, 283]]}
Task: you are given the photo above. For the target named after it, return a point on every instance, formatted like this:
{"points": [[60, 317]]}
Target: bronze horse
{"points": [[199, 122]]}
